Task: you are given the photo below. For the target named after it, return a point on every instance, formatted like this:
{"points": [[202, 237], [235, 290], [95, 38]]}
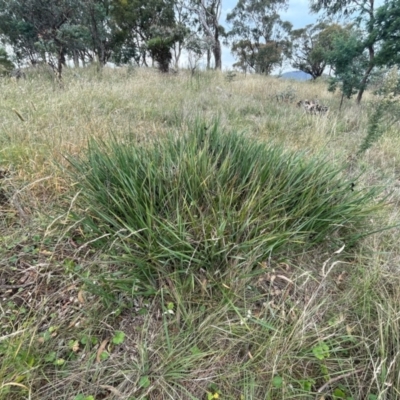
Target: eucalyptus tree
{"points": [[18, 31], [207, 15], [311, 45], [39, 30], [186, 25], [149, 28], [196, 47], [363, 13], [387, 29], [259, 38], [99, 32], [348, 60]]}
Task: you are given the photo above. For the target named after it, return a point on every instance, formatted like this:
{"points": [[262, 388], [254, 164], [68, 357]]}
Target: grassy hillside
{"points": [[91, 309]]}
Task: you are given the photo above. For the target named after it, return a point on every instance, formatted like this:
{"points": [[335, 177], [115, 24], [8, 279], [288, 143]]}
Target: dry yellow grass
{"points": [[348, 301]]}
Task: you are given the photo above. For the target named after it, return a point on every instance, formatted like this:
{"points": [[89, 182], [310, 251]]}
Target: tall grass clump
{"points": [[212, 200]]}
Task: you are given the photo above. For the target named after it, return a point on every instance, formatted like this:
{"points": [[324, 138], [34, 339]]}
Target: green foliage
{"points": [[350, 303], [366, 39], [210, 200], [213, 392], [259, 37], [339, 394], [277, 382], [83, 397], [17, 362], [35, 27], [160, 50], [103, 35], [270, 55], [118, 337], [387, 30], [348, 61], [336, 7], [110, 29], [386, 111], [258, 57], [144, 382], [19, 32], [5, 64], [150, 23], [310, 47], [307, 384], [321, 351]]}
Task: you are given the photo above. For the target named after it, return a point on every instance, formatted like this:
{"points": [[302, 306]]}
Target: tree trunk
{"points": [[99, 46], [177, 52], [144, 61], [208, 59], [83, 59], [364, 80], [217, 48], [75, 57], [363, 83], [217, 54], [341, 102], [59, 70], [103, 57], [60, 62]]}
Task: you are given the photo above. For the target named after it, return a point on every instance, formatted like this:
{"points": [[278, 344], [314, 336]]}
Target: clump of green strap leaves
{"points": [[212, 200]]}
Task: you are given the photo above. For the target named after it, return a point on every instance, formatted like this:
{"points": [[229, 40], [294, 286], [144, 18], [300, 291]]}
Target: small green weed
{"points": [[118, 337], [83, 397], [321, 351]]}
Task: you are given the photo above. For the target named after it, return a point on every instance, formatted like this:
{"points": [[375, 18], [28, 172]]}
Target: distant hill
{"points": [[296, 75]]}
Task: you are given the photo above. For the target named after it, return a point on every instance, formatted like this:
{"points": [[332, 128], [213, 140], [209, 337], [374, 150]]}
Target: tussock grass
{"points": [[213, 200], [302, 321]]}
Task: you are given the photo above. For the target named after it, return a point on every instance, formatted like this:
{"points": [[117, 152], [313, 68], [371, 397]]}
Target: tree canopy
{"points": [[259, 38], [387, 25], [348, 60], [36, 28], [363, 12], [310, 47], [158, 32]]}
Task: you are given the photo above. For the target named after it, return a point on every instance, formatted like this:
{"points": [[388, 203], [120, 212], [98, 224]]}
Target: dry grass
{"points": [[310, 325]]}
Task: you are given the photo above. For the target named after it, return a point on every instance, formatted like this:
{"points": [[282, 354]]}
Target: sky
{"points": [[298, 13]]}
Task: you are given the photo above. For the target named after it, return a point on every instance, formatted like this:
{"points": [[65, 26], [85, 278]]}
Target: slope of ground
{"points": [[321, 323]]}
